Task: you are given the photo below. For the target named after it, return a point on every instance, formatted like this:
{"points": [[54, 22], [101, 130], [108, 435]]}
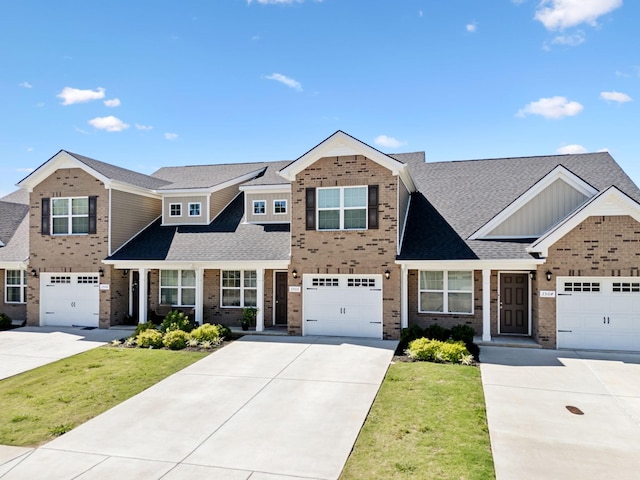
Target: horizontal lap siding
{"points": [[220, 199], [130, 214]]}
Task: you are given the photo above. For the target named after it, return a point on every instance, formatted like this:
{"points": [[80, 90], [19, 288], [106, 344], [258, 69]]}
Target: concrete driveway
{"points": [[264, 408], [26, 348], [534, 435]]}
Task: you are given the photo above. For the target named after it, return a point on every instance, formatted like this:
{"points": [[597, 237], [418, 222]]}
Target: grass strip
{"points": [[428, 422], [48, 401]]}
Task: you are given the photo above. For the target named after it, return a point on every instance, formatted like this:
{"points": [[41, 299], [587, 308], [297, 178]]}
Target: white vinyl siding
{"points": [[259, 207], [175, 209], [446, 292], [280, 207], [195, 209], [273, 207]]}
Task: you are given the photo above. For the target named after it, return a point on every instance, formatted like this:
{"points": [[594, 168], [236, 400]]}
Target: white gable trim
{"points": [[60, 160], [609, 202], [558, 173], [341, 144]]}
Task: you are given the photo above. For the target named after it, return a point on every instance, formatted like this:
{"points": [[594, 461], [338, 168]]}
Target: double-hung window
{"points": [[446, 291], [70, 216], [239, 288], [342, 208], [178, 287], [16, 286]]}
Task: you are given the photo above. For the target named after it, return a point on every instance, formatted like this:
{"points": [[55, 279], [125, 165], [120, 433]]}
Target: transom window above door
{"points": [[342, 208]]}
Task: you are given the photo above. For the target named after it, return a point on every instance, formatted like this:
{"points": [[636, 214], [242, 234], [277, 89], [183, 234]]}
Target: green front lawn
{"points": [[36, 406], [427, 422]]}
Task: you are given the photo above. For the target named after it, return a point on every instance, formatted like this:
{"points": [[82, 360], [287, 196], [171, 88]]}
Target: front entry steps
{"points": [[508, 341]]}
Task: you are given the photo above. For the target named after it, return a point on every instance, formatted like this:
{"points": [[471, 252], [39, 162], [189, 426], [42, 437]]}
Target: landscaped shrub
{"points": [[436, 332], [225, 332], [463, 333], [175, 339], [437, 351], [206, 333], [5, 321], [176, 320], [407, 335], [143, 327], [150, 338]]}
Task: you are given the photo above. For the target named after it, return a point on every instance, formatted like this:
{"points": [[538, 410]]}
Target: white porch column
{"points": [[199, 295], [404, 296], [260, 299], [142, 295], [486, 305]]}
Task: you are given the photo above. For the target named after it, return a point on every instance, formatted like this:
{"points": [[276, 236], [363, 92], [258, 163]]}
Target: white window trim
{"points": [[22, 286], [69, 216], [341, 208], [172, 205], [445, 291], [264, 202], [199, 204], [179, 287], [242, 289], [286, 206]]}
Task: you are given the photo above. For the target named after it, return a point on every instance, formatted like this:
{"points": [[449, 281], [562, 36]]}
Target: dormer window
{"points": [[175, 209], [259, 207], [279, 207], [194, 209]]}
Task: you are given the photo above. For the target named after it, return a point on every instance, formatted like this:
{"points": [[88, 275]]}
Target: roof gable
{"points": [[609, 202], [538, 209], [342, 144]]}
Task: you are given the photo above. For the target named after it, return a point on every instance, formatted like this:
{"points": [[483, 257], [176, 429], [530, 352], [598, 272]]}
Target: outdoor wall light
{"points": [[101, 272], [125, 272], [387, 274], [294, 273], [548, 274], [34, 273], [532, 275]]}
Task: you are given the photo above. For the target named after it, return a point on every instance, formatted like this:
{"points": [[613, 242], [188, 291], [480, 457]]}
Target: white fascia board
{"points": [[488, 264], [227, 265], [60, 160], [609, 202], [558, 173], [125, 187], [337, 145], [283, 187], [13, 265], [185, 192]]}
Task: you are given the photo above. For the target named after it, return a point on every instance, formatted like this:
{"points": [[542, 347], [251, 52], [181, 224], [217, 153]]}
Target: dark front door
{"points": [[514, 303], [281, 298]]}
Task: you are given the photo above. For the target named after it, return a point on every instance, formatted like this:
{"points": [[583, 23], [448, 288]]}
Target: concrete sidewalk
{"points": [[267, 408], [534, 435], [26, 348]]}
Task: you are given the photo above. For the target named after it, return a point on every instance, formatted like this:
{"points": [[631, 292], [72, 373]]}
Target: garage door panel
{"points": [[598, 313], [343, 305], [70, 299]]}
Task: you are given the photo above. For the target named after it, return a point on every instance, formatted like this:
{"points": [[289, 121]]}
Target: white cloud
{"points": [[571, 149], [554, 107], [560, 14], [420, 14], [615, 97], [25, 85], [388, 142], [110, 124], [73, 95], [572, 40], [472, 27], [145, 128], [29, 149], [289, 82], [114, 102], [171, 136]]}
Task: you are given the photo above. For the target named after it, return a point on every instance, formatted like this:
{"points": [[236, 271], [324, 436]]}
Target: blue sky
{"points": [[145, 84]]}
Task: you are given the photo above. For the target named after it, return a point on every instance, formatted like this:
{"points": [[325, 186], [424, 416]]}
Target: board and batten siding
{"points": [[220, 199], [130, 213], [269, 216], [167, 219], [542, 212]]}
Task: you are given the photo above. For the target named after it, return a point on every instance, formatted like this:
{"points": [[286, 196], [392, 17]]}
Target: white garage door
{"points": [[68, 299], [599, 313], [343, 305]]}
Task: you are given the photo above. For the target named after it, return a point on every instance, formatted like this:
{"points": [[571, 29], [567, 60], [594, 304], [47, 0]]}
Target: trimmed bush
{"points": [[5, 321], [176, 339], [206, 333], [176, 320], [437, 351], [436, 332], [150, 338], [407, 335], [225, 332], [463, 333], [143, 327]]}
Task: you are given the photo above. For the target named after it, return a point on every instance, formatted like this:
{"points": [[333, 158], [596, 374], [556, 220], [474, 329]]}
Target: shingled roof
{"points": [[224, 239], [465, 195], [205, 176], [14, 227]]}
